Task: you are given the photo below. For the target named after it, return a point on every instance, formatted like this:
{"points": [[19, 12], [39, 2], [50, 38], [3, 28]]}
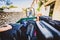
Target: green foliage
{"points": [[39, 5], [1, 9], [38, 9], [12, 6], [4, 7]]}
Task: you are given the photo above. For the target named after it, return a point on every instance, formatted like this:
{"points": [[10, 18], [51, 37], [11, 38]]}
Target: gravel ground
{"points": [[11, 17]]}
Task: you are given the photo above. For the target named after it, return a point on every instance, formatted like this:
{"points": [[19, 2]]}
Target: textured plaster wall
{"points": [[56, 13]]}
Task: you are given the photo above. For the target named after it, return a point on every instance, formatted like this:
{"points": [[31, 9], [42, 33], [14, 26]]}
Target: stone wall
{"points": [[11, 17]]}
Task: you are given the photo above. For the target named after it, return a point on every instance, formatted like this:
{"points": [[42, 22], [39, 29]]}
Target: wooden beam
{"points": [[49, 2]]}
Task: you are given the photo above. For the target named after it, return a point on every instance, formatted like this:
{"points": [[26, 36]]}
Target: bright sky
{"points": [[19, 3]]}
